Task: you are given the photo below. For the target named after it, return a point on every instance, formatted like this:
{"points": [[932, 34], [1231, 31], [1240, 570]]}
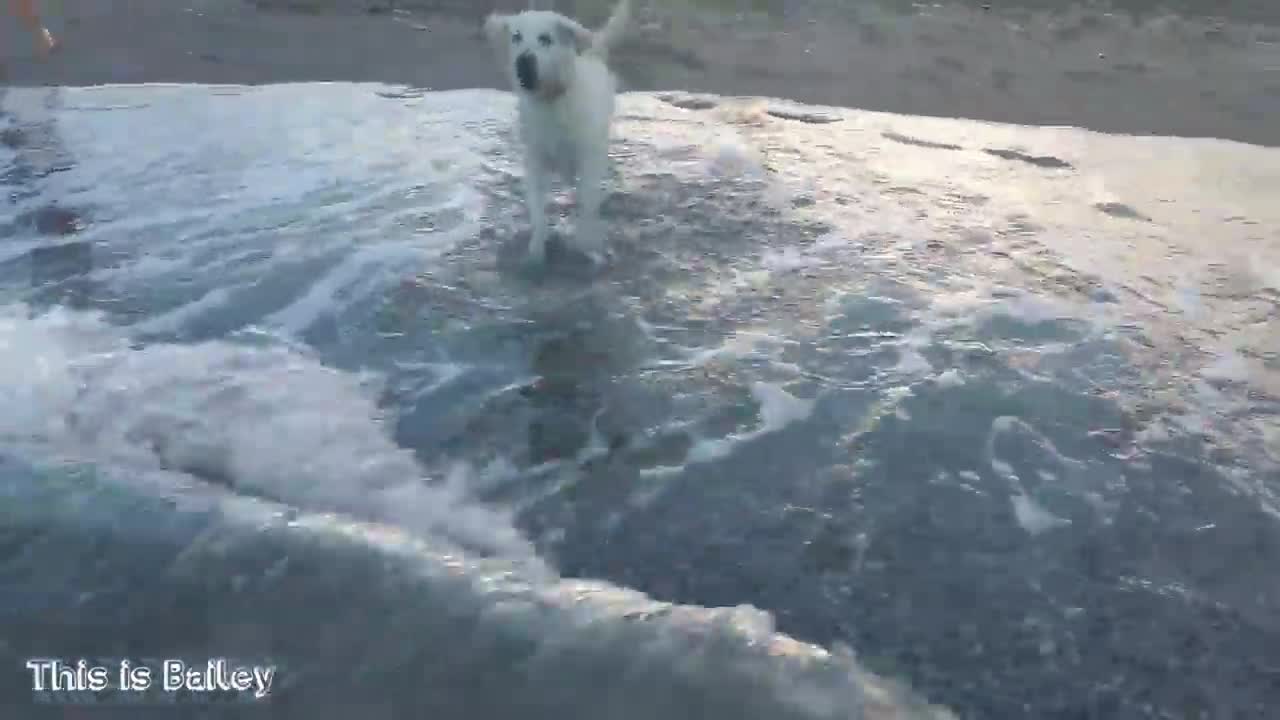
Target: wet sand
{"points": [[1125, 72]]}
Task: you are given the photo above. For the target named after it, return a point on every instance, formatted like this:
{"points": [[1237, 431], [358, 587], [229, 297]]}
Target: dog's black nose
{"points": [[527, 71]]}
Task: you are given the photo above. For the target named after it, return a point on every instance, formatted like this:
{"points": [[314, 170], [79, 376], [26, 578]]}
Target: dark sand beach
{"points": [[1136, 67]]}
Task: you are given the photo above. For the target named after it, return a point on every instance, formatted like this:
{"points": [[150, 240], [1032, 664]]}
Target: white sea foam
{"points": [[227, 192], [1033, 517], [778, 409], [265, 420], [949, 378]]}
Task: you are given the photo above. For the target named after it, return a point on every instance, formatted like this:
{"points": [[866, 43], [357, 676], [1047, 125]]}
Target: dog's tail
{"points": [[608, 36]]}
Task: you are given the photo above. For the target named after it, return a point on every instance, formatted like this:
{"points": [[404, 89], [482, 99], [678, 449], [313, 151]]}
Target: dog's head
{"points": [[538, 49]]}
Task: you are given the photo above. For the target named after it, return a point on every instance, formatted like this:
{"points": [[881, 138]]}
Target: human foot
{"points": [[45, 42]]}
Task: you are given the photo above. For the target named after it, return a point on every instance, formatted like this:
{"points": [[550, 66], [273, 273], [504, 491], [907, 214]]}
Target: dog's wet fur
{"points": [[566, 102]]}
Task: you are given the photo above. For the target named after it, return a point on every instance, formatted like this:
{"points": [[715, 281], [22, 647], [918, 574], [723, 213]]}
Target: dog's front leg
{"points": [[535, 190], [591, 192]]}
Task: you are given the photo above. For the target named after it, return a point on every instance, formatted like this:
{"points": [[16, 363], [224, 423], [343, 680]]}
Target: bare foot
{"points": [[45, 42]]}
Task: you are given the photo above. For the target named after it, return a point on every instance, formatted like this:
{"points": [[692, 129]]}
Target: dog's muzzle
{"points": [[527, 71]]}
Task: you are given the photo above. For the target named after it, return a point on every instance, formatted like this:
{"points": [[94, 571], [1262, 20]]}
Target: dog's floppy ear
{"points": [[495, 28], [574, 35]]}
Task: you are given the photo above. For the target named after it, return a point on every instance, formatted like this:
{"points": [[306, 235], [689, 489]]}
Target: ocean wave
{"points": [[240, 474]]}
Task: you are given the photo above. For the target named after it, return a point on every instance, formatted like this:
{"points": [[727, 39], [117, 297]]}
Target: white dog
{"points": [[566, 94]]}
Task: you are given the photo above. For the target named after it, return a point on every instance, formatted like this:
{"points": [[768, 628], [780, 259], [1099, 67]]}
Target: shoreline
{"points": [[1109, 72]]}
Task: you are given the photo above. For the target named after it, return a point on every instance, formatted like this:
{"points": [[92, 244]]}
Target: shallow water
{"points": [[270, 357]]}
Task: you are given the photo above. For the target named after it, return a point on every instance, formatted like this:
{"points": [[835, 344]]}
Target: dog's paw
{"points": [[598, 257], [537, 253], [597, 253]]}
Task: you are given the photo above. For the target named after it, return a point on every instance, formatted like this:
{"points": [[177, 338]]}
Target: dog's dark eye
{"points": [[516, 37], [545, 40]]}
